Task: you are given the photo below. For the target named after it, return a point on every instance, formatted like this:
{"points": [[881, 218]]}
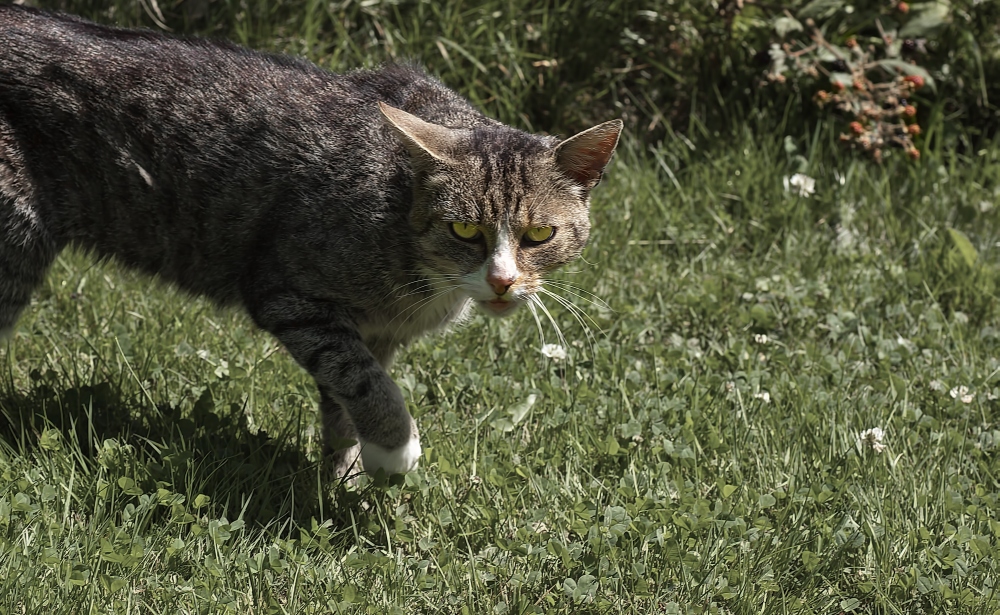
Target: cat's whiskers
{"points": [[581, 294], [434, 294], [426, 283], [538, 322], [410, 311], [575, 310], [427, 286], [555, 325], [579, 315]]}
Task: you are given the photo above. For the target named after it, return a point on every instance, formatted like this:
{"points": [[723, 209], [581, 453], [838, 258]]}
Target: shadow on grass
{"points": [[262, 478]]}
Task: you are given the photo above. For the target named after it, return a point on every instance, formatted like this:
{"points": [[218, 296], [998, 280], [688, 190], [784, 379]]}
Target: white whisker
{"points": [[580, 293], [425, 282], [538, 323], [578, 314], [576, 311], [413, 309], [555, 325]]}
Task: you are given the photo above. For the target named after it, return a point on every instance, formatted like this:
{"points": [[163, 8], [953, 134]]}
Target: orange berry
{"points": [[913, 153], [838, 86], [913, 129], [857, 128], [916, 80], [909, 111], [858, 85], [903, 8]]}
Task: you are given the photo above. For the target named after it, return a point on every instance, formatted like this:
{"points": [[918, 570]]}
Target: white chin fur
{"points": [[393, 461]]}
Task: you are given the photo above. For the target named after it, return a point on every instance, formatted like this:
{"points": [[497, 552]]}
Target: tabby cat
{"points": [[347, 214]]}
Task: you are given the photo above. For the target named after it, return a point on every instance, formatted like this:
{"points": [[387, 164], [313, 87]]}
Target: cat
{"points": [[346, 213]]}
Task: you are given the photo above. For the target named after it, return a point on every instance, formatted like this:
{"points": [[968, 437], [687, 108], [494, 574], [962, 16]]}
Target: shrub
{"points": [[870, 64], [691, 66]]}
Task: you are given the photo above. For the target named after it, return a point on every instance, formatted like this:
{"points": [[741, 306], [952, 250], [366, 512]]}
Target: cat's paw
{"points": [[393, 461]]}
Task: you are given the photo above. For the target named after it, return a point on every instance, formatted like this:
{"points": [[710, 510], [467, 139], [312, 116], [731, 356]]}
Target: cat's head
{"points": [[495, 209]]}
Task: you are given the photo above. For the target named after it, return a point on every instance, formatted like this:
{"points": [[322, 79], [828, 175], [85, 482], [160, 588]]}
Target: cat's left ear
{"points": [[426, 142], [583, 156]]}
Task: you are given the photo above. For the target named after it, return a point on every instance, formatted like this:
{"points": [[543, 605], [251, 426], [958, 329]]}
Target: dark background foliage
{"points": [[691, 66]]}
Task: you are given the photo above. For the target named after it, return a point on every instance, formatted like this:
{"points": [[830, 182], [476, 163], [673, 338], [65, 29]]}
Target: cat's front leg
{"points": [[340, 440], [326, 342], [339, 432]]}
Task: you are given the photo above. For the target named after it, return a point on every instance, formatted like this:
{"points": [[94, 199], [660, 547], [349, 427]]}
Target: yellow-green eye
{"points": [[539, 234], [465, 231]]}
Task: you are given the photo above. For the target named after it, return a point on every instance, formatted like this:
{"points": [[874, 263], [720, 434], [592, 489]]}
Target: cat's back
{"points": [[66, 51], [70, 54], [175, 154], [194, 94]]}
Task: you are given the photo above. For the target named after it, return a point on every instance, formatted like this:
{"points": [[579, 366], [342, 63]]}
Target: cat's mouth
{"points": [[498, 307]]}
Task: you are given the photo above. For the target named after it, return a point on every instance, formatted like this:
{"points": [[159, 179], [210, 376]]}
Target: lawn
{"points": [[698, 450]]}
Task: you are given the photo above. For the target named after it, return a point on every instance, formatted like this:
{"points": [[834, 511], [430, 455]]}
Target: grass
{"points": [[699, 453]]}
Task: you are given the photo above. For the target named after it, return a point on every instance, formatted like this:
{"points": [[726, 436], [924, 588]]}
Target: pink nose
{"points": [[500, 283]]}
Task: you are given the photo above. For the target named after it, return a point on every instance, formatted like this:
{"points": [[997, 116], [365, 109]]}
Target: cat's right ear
{"points": [[583, 156], [427, 143]]}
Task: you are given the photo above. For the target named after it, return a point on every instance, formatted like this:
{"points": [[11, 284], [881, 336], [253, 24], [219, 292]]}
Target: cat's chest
{"points": [[412, 316]]}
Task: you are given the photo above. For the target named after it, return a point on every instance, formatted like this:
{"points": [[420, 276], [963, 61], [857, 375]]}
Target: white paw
{"points": [[393, 461]]}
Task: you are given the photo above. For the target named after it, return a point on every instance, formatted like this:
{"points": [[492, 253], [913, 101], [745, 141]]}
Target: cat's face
{"points": [[497, 209], [497, 220]]}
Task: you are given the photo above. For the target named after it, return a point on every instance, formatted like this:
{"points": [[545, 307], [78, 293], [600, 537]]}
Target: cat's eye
{"points": [[465, 232], [539, 234]]}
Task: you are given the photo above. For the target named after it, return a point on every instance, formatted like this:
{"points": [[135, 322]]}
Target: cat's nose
{"points": [[502, 271], [500, 282], [500, 285]]}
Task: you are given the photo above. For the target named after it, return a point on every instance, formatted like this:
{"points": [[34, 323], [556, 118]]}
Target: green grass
{"points": [[161, 455], [696, 453]]}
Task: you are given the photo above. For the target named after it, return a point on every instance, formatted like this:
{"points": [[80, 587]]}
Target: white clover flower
{"points": [[800, 184], [962, 393], [554, 352], [872, 438], [764, 396], [936, 385], [761, 338]]}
